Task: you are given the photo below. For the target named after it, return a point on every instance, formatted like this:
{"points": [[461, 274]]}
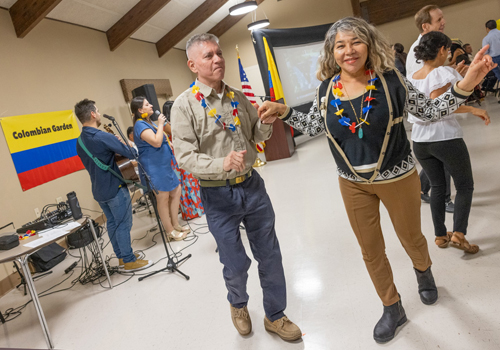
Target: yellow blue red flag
{"points": [[42, 146], [275, 87]]}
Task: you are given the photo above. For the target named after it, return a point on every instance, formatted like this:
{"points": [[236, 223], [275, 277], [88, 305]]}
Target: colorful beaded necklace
{"points": [[212, 112], [345, 121]]}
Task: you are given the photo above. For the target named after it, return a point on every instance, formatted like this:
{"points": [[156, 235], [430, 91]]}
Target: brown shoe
{"points": [[137, 265], [241, 320], [121, 263], [458, 241], [286, 329], [442, 241]]}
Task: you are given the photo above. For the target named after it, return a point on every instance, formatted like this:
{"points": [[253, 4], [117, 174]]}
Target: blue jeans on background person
{"points": [[226, 207], [496, 70], [118, 211]]}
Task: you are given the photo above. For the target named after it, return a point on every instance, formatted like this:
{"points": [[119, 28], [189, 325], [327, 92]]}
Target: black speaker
{"points": [[148, 91], [83, 236]]}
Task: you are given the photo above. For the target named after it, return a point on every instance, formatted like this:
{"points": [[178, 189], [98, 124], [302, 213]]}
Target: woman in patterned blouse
{"points": [[360, 105]]}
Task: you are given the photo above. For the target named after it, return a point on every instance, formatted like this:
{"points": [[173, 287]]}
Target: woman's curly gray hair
{"points": [[380, 54]]}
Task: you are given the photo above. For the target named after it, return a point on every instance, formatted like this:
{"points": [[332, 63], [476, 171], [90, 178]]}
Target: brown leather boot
{"points": [[286, 329], [137, 265], [121, 263], [241, 320]]}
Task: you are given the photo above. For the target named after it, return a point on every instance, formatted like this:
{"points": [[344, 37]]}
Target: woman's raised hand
{"points": [[161, 119], [269, 111]]}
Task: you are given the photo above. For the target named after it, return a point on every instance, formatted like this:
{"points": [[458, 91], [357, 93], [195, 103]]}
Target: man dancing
{"points": [[215, 129]]}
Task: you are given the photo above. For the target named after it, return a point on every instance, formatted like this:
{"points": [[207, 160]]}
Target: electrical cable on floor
{"points": [[92, 269]]}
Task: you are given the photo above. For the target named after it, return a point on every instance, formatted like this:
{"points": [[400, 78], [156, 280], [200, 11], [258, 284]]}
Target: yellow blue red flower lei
{"points": [[212, 112], [343, 120]]}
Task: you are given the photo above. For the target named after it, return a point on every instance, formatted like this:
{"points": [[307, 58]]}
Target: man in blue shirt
{"points": [[109, 191], [493, 39]]}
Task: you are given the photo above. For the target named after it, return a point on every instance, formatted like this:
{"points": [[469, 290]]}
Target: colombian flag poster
{"points": [[42, 146]]}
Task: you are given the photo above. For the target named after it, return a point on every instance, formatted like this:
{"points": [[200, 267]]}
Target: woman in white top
{"points": [[439, 145]]}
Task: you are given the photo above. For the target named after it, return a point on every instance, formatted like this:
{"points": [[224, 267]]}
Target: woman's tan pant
{"points": [[402, 200]]}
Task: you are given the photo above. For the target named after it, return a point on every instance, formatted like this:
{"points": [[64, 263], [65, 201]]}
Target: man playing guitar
{"points": [[109, 190]]}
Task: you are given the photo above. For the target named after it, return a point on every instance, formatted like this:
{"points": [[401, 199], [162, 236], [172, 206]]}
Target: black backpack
{"points": [[48, 257]]}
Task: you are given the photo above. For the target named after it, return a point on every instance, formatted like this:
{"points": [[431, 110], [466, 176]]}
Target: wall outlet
{"points": [[37, 212], [59, 200]]}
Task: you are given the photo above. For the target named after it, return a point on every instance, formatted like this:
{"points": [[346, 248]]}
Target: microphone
{"points": [[109, 117], [155, 115]]}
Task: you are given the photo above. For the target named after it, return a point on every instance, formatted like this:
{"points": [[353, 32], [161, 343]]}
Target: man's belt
{"points": [[230, 182]]}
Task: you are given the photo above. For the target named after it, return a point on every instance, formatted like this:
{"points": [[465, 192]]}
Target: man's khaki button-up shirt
{"points": [[201, 145]]}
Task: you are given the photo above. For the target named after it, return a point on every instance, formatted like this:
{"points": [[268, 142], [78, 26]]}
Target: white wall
{"points": [[52, 68]]}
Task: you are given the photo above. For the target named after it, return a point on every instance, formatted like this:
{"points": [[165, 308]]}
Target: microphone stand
{"points": [[152, 192]]}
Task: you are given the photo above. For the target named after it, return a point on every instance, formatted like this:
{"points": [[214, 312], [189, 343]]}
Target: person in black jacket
{"points": [[360, 105]]}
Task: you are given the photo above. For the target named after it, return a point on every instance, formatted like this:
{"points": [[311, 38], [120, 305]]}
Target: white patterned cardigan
{"points": [[396, 96]]}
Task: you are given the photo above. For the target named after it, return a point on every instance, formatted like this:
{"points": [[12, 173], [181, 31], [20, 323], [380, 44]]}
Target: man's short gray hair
{"points": [[197, 38]]}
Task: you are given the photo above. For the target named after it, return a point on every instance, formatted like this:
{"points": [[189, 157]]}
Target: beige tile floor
{"points": [[329, 292]]}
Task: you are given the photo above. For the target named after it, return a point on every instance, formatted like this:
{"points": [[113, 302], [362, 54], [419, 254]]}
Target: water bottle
{"points": [[76, 211]]}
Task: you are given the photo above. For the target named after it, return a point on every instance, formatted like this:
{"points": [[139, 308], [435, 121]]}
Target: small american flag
{"points": [[245, 84]]}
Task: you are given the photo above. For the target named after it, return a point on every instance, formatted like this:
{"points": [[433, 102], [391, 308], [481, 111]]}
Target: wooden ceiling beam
{"points": [[356, 8], [132, 21], [190, 23], [229, 21], [378, 12], [26, 14]]}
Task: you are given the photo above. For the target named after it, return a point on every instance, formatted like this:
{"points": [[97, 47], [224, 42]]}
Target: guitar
{"points": [[125, 165]]}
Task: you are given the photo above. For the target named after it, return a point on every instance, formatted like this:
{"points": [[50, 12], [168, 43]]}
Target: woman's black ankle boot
{"points": [[426, 286], [393, 317]]}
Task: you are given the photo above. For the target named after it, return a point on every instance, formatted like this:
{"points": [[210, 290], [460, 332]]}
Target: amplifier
{"points": [[52, 219], [83, 236]]}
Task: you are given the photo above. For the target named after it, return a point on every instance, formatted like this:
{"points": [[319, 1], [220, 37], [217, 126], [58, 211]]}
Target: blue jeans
{"points": [[496, 71], [248, 203], [118, 211]]}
